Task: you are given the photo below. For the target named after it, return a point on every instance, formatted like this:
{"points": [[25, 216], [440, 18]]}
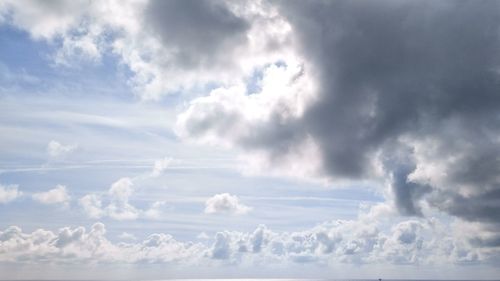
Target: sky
{"points": [[249, 139]]}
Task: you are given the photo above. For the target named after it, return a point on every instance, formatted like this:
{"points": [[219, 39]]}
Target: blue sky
{"points": [[134, 145]]}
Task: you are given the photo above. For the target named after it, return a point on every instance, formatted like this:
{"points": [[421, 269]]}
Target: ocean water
{"points": [[251, 279]]}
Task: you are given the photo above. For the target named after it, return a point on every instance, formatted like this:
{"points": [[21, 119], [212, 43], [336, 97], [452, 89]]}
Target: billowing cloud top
{"points": [[405, 93]]}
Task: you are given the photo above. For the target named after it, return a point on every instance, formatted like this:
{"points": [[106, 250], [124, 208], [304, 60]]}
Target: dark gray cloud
{"points": [[413, 85], [406, 193], [393, 69], [200, 33]]}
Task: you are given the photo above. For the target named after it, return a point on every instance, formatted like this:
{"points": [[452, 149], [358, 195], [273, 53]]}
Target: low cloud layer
{"points": [[347, 242]]}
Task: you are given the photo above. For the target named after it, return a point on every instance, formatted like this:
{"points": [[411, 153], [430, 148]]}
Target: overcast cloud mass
{"points": [[250, 138]]}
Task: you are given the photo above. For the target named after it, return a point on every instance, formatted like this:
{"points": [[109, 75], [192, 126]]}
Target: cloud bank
{"points": [[345, 242]]}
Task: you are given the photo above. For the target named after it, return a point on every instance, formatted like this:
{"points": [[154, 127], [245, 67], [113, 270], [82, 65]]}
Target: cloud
{"points": [[234, 117], [160, 166], [405, 96], [199, 33], [386, 103], [45, 19], [118, 208], [92, 205], [9, 193], [202, 236], [225, 203], [416, 241], [56, 150], [121, 189], [400, 94], [221, 43], [127, 236], [57, 195], [155, 211], [116, 204], [77, 245]]}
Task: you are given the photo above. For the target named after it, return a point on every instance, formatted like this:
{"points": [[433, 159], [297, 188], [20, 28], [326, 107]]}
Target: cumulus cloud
{"points": [[121, 189], [44, 19], [9, 193], [405, 96], [225, 203], [160, 166], [57, 150], [239, 117], [401, 94], [222, 41], [424, 98], [156, 210], [343, 241], [127, 236], [209, 30], [203, 236], [77, 245], [118, 207], [116, 204], [92, 205], [57, 195]]}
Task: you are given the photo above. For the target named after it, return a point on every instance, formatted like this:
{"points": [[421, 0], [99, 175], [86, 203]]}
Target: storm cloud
{"points": [[406, 91], [200, 33], [415, 70]]}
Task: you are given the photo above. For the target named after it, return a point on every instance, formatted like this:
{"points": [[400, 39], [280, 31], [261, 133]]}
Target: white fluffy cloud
{"points": [[9, 193], [57, 150], [92, 205], [57, 195], [116, 203], [225, 203], [231, 117], [44, 19], [222, 42], [76, 245], [127, 236], [336, 242], [121, 189], [160, 166]]}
